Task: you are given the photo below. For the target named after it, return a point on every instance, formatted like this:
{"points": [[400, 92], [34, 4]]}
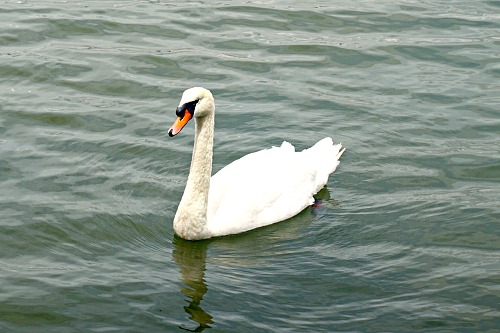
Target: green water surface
{"points": [[407, 238]]}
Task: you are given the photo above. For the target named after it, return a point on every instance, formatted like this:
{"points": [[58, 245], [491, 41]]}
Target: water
{"points": [[406, 240]]}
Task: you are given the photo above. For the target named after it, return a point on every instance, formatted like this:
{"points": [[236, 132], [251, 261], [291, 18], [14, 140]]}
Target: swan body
{"points": [[259, 189]]}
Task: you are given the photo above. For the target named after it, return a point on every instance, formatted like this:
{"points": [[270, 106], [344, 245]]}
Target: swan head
{"points": [[195, 102]]}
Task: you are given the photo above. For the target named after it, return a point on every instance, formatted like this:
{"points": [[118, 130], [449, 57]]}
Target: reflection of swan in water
{"points": [[237, 251], [191, 260]]}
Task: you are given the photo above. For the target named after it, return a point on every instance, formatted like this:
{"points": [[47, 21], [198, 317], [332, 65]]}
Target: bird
{"points": [[259, 189]]}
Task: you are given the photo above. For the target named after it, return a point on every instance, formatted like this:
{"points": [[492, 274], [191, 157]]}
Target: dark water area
{"points": [[406, 238]]}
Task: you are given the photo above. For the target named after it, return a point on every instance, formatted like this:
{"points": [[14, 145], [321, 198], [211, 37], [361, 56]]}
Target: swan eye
{"points": [[190, 107]]}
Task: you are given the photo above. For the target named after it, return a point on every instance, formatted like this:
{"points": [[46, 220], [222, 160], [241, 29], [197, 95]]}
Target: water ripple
{"points": [[406, 234]]}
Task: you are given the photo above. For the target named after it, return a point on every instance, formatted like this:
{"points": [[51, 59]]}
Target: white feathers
{"points": [[258, 189], [268, 186]]}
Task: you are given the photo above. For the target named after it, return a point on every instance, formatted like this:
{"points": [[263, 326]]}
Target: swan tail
{"points": [[324, 156]]}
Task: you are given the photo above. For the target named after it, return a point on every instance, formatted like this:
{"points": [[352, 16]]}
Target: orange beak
{"points": [[179, 123]]}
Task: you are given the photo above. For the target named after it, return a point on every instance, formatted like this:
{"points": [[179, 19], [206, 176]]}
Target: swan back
{"points": [[268, 186]]}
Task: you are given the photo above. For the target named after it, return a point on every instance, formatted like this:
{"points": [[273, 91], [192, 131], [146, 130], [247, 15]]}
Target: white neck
{"points": [[190, 221]]}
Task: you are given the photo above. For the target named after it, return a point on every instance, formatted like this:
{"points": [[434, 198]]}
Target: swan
{"points": [[259, 189]]}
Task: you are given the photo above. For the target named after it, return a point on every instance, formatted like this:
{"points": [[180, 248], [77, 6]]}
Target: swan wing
{"points": [[268, 186]]}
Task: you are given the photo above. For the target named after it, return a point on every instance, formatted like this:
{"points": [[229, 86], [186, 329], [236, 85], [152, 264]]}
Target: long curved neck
{"points": [[191, 218]]}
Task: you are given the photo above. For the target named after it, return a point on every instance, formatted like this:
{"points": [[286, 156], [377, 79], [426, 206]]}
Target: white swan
{"points": [[258, 189]]}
